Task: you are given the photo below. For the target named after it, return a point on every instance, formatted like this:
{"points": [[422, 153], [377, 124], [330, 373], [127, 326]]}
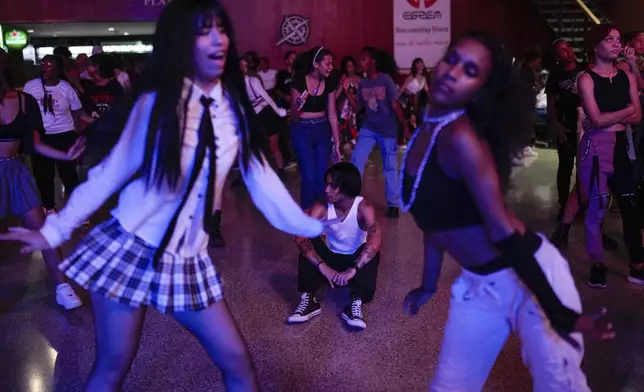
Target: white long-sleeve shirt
{"points": [[147, 212], [259, 97]]}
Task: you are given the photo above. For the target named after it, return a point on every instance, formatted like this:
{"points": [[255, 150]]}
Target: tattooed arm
{"points": [[367, 219], [304, 245]]}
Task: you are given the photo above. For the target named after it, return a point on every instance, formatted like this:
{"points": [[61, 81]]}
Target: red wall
{"points": [[342, 25]]}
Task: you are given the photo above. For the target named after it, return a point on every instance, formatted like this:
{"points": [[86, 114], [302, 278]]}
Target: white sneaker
{"points": [[66, 297]]}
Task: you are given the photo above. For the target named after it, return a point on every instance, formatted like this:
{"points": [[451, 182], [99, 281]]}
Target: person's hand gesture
{"points": [[31, 240], [595, 325], [590, 325], [329, 273], [629, 54], [342, 279], [76, 149]]}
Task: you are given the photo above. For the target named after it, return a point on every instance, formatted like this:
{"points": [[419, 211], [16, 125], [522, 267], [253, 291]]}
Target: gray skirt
{"points": [[18, 191]]}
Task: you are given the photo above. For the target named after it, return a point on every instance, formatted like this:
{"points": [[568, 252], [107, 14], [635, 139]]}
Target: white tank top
{"points": [[345, 237], [416, 85]]}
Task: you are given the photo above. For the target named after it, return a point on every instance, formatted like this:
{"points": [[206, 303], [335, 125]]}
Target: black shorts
{"points": [[273, 124]]}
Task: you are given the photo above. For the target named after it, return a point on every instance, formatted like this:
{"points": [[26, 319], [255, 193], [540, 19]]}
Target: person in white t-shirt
{"points": [[268, 75], [61, 110]]}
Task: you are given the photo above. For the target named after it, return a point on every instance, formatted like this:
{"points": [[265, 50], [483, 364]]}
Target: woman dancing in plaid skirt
{"points": [[180, 137]]}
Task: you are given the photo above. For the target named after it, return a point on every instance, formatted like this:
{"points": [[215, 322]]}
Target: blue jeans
{"points": [[388, 148], [311, 142]]}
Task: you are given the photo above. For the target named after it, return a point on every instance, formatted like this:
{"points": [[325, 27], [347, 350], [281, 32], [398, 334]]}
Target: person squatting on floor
{"points": [[193, 111], [351, 253], [453, 176]]}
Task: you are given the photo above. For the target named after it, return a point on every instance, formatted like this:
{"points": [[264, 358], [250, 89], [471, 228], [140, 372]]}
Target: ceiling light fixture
{"points": [[30, 31], [111, 29], [126, 33]]}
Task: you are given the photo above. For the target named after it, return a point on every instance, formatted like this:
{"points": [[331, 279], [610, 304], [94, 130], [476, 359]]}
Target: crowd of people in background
{"points": [[472, 116]]}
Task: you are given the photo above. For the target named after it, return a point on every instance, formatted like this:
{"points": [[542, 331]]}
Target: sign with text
{"points": [[422, 28]]}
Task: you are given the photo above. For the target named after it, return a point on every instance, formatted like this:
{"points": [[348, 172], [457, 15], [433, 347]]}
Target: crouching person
{"points": [[350, 253]]}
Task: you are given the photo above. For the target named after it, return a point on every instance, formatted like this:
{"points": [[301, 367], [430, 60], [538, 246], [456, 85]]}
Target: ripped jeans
{"points": [[604, 168], [484, 309]]}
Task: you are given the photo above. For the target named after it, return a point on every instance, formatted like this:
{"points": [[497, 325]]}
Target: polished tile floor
{"points": [[43, 348]]}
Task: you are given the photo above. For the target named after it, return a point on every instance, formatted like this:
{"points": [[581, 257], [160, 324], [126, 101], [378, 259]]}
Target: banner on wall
{"points": [[422, 28]]}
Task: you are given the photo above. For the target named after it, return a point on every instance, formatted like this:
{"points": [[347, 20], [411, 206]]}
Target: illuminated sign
{"points": [[16, 39]]}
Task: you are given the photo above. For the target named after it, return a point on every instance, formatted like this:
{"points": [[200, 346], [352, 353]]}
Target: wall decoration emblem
{"points": [[295, 30]]}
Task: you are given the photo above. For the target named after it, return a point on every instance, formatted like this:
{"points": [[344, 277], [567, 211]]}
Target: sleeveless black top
{"points": [[314, 103], [18, 128], [442, 203], [611, 95], [27, 120]]}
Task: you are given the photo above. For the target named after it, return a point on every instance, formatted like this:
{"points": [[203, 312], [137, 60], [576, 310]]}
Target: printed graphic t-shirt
{"points": [[563, 84], [98, 100], [65, 100], [377, 96]]}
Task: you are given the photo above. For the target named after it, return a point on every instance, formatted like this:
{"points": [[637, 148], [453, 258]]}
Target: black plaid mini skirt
{"points": [[118, 265]]}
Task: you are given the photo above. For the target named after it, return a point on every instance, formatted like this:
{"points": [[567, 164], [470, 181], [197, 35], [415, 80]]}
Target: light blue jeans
{"points": [[389, 149]]}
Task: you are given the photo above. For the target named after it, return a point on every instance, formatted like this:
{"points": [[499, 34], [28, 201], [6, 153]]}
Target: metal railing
{"points": [[569, 19]]}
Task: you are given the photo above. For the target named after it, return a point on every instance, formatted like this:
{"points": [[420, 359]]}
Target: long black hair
{"points": [[345, 62], [172, 60], [502, 111], [413, 70], [385, 62], [303, 64]]}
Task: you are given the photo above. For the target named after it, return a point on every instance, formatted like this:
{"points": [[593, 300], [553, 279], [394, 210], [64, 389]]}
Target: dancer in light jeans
{"points": [[453, 175]]}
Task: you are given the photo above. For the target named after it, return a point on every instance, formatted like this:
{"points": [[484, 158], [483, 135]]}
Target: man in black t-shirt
{"points": [[283, 81], [103, 91], [563, 102]]}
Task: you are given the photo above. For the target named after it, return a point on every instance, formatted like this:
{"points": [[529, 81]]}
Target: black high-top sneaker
{"points": [[393, 213], [559, 237], [636, 275], [597, 279], [308, 308], [216, 239], [353, 315]]}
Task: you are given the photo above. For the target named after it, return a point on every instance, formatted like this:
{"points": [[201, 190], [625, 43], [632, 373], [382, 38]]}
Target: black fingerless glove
{"points": [[517, 250]]}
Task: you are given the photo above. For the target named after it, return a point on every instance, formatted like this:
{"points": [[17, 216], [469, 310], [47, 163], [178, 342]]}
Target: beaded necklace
{"points": [[441, 123]]}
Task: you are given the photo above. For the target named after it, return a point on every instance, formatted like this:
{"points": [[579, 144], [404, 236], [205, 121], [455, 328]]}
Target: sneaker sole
{"points": [[70, 306], [635, 280], [354, 323], [303, 319], [597, 285]]}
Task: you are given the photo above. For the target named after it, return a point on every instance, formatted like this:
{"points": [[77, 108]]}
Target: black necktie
{"points": [[206, 141]]}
